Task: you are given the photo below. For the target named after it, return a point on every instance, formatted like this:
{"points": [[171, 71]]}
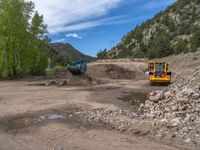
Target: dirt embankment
{"points": [[110, 71], [101, 73], [117, 70]]}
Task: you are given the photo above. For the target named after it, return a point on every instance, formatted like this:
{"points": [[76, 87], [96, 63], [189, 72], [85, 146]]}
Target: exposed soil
{"points": [[35, 115], [113, 71], [135, 98]]}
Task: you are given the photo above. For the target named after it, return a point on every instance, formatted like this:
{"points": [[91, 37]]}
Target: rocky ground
{"points": [[81, 112], [177, 109]]}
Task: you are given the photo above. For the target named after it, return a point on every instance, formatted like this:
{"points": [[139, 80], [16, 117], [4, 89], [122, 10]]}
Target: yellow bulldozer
{"points": [[159, 73]]}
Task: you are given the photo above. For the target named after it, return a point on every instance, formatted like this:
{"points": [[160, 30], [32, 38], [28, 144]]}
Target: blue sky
{"points": [[91, 25]]}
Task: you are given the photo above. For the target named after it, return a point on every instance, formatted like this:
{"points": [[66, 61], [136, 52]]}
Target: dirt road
{"points": [[22, 99], [33, 116]]}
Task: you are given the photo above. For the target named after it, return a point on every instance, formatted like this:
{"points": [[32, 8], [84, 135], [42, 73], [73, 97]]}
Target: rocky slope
{"points": [[177, 109], [172, 31]]}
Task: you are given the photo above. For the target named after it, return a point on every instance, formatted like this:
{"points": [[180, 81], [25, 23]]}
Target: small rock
{"points": [[167, 109], [50, 83], [188, 92], [188, 140], [187, 118], [164, 121], [157, 97], [63, 83], [196, 96], [185, 130], [175, 121], [141, 105], [183, 100], [174, 108], [153, 93]]}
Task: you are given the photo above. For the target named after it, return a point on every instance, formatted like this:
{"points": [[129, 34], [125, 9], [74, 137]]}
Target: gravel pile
{"points": [[177, 108], [120, 120]]}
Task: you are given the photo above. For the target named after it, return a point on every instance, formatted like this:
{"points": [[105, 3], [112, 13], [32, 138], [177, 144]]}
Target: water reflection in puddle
{"points": [[27, 122]]}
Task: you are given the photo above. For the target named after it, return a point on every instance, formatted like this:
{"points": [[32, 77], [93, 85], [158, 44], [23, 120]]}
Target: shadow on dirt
{"points": [[135, 98]]}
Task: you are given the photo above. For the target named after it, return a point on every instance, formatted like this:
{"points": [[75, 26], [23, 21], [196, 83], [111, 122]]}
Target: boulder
{"points": [[157, 96]]}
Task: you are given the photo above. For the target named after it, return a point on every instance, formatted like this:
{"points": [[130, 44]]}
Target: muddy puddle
{"points": [[24, 122], [135, 98]]}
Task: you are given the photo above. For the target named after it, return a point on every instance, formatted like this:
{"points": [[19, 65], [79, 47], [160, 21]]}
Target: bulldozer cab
{"points": [[150, 67], [159, 73], [160, 69]]}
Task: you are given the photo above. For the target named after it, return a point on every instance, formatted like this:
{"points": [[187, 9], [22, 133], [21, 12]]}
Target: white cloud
{"points": [[63, 14], [89, 24], [74, 35]]}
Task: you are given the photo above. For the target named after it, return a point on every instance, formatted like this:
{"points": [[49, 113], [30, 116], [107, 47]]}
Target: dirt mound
{"points": [[81, 80], [112, 71]]}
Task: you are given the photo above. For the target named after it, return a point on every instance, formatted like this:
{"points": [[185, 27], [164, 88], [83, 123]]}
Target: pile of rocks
{"points": [[179, 104], [54, 82], [73, 80], [101, 113], [120, 120], [177, 107]]}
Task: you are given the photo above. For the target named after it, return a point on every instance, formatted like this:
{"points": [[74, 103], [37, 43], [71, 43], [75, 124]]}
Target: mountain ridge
{"points": [[172, 31], [65, 53]]}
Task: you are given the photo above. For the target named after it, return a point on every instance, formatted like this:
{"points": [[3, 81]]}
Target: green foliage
{"points": [[62, 60], [102, 54], [195, 41], [138, 34], [64, 54], [180, 47], [166, 20], [160, 46], [22, 42], [184, 29], [55, 70], [124, 53], [139, 54]]}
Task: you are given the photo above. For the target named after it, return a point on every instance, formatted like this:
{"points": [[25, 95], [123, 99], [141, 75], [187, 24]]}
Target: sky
{"points": [[93, 25]]}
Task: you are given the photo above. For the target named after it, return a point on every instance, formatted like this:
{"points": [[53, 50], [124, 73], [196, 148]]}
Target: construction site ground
{"points": [[50, 114]]}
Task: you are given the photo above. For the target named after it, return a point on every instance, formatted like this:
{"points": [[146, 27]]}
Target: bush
{"points": [[55, 70], [195, 44], [152, 54], [102, 54], [160, 46], [139, 54], [180, 47], [124, 53]]}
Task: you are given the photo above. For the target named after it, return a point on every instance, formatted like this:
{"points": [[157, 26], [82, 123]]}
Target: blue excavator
{"points": [[78, 67]]}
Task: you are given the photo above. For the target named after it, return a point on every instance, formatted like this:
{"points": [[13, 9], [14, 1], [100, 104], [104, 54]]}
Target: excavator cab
{"points": [[159, 73], [78, 67]]}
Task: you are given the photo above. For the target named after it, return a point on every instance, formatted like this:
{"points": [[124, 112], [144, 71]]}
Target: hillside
{"points": [[62, 54], [172, 31]]}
